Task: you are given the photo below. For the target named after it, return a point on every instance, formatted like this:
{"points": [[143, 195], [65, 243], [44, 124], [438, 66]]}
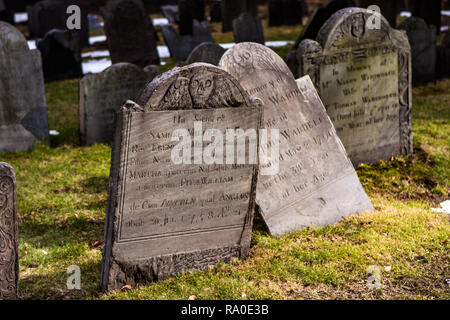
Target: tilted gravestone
{"points": [[61, 55], [23, 109], [102, 95], [316, 183], [247, 28], [422, 39], [9, 260], [286, 12], [52, 14], [130, 33], [165, 216], [206, 52], [364, 79], [181, 46]]}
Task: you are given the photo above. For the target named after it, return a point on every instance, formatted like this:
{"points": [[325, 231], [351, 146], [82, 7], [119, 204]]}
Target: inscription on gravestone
{"points": [[23, 109], [316, 183], [364, 79], [164, 218], [9, 261], [101, 96]]}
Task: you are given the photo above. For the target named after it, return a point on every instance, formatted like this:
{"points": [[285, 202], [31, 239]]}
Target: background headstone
{"points": [[443, 62], [6, 14], [285, 12], [215, 11], [162, 218], [422, 39], [429, 10], [61, 55], [171, 13], [316, 183], [23, 109], [9, 259], [231, 9], [51, 14], [102, 95], [364, 79], [181, 46], [248, 28], [190, 10], [130, 33], [206, 52]]}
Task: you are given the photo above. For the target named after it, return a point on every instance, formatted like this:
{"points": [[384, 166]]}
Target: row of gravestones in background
{"points": [[162, 220]]}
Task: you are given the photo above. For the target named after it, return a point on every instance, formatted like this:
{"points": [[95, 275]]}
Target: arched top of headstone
{"points": [[355, 26], [11, 39], [206, 52], [247, 56], [196, 86]]}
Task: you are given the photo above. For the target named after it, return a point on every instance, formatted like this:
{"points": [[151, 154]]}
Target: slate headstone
{"points": [[181, 46], [319, 16], [206, 52], [171, 13], [130, 33], [102, 95], [164, 218], [248, 28], [23, 109], [61, 55], [9, 259], [52, 14], [215, 11], [231, 9], [190, 10], [364, 79], [316, 183], [429, 10], [422, 39], [285, 12]]}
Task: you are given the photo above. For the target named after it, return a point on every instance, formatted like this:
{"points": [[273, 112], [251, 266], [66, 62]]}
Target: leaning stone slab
{"points": [[164, 218], [23, 109], [206, 52], [102, 95], [9, 259], [316, 183], [364, 79]]}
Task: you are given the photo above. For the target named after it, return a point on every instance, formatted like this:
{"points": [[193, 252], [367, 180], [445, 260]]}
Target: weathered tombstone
{"points": [[190, 10], [130, 33], [248, 28], [52, 14], [364, 79], [231, 9], [165, 218], [285, 12], [206, 52], [171, 13], [215, 11], [320, 16], [181, 46], [443, 62], [422, 39], [9, 259], [23, 110], [61, 55], [102, 95], [316, 183]]}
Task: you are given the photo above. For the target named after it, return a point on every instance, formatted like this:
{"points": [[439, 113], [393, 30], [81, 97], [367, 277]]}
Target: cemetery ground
{"points": [[62, 192]]}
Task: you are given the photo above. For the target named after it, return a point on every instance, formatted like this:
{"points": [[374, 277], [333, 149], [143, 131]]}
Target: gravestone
{"points": [[130, 33], [231, 9], [443, 62], [51, 14], [429, 10], [316, 183], [102, 95], [206, 52], [364, 79], [285, 12], [215, 11], [181, 46], [9, 259], [190, 10], [319, 16], [23, 109], [248, 28], [164, 218], [61, 55], [171, 13], [422, 39]]}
